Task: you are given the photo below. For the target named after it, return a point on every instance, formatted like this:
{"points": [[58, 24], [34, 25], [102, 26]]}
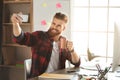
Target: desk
{"points": [[110, 75], [76, 72], [73, 71]]}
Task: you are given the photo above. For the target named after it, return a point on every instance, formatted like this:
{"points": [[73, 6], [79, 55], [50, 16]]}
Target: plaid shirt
{"points": [[41, 47]]}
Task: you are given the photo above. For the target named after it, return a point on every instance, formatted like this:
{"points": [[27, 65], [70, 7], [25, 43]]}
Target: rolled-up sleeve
{"points": [[68, 56], [17, 39]]}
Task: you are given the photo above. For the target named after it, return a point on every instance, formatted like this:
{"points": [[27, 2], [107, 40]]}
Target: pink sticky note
{"points": [[58, 5], [43, 22]]}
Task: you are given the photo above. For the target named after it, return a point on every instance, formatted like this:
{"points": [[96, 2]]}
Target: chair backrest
{"points": [[27, 67]]}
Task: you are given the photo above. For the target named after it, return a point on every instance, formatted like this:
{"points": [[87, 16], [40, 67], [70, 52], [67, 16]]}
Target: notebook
{"points": [[56, 76]]}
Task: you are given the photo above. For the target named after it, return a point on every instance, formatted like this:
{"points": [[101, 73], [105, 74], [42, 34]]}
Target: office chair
{"points": [[27, 68]]}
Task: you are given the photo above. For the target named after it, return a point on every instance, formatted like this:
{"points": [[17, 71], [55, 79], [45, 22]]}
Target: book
{"points": [[20, 64]]}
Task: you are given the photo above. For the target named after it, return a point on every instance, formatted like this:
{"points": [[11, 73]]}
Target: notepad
{"points": [[56, 76]]}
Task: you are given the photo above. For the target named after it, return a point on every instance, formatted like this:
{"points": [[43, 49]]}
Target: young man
{"points": [[49, 49]]}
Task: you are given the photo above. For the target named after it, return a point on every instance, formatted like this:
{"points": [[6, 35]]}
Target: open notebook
{"points": [[56, 76]]}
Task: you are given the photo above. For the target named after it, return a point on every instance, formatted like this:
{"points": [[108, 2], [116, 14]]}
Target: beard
{"points": [[53, 32]]}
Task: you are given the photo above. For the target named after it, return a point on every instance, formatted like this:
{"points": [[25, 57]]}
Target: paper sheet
{"points": [[56, 76]]}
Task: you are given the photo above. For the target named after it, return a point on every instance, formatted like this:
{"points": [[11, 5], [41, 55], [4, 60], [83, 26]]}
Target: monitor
{"points": [[116, 48]]}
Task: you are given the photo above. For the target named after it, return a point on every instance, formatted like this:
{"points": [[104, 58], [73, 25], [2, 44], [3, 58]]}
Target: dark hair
{"points": [[61, 16]]}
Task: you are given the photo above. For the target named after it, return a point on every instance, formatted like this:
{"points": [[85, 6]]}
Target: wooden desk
{"points": [[110, 75], [64, 71]]}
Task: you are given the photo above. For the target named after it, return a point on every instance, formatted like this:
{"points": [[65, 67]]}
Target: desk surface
{"points": [[68, 71], [75, 72]]}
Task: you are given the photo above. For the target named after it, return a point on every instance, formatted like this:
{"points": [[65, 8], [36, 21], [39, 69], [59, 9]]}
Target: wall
{"points": [[43, 11]]}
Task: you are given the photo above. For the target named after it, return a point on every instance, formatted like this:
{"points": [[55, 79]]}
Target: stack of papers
{"points": [[85, 72], [56, 76], [89, 65], [92, 64]]}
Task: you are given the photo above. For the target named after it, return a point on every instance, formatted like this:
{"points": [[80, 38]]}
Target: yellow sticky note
{"points": [[44, 5]]}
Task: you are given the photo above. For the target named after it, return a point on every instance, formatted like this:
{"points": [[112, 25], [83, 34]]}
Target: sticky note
{"points": [[43, 22], [44, 5], [58, 5]]}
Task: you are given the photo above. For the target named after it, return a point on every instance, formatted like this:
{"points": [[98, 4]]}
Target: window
{"points": [[92, 26]]}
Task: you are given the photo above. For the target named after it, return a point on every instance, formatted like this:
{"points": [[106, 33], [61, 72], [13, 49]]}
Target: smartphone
{"points": [[24, 17]]}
